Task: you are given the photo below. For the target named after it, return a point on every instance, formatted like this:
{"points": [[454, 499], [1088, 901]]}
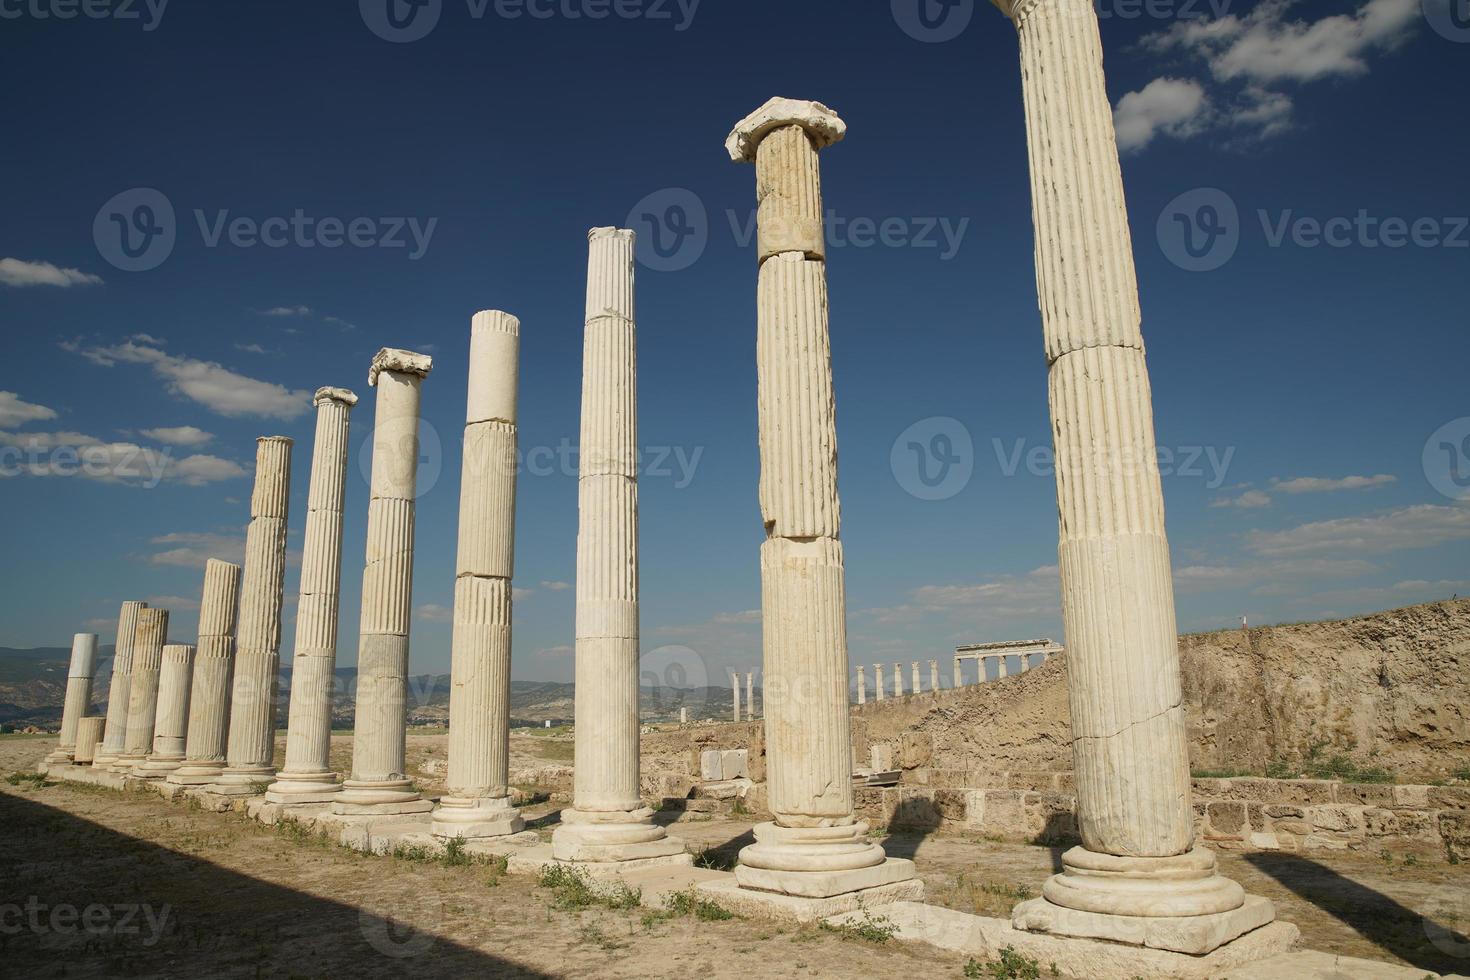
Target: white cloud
{"points": [[1314, 484], [432, 612], [14, 411], [178, 435], [556, 586], [75, 454], [1249, 499], [251, 349], [191, 549], [174, 603], [205, 382], [17, 272], [201, 469], [1169, 106], [287, 311], [518, 595], [555, 653], [738, 618], [1421, 526]]}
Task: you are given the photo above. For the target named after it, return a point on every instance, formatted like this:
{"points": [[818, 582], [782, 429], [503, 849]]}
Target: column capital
{"points": [[1016, 10], [342, 395], [823, 125], [611, 232], [397, 361]]}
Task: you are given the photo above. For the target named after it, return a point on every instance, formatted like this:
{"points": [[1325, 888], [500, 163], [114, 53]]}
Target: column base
{"points": [[195, 774], [608, 836], [817, 862], [242, 780], [365, 797], [158, 767], [58, 758], [124, 764], [1176, 903], [470, 818], [304, 787]]}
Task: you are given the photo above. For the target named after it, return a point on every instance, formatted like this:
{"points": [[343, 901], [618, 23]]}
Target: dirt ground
{"points": [[100, 883]]}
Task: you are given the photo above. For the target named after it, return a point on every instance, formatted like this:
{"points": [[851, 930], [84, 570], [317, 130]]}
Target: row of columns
{"points": [[749, 703]]}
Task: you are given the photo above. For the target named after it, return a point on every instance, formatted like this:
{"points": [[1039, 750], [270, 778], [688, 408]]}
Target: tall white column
{"points": [[1137, 861], [214, 670], [172, 727], [959, 673], [898, 680], [749, 696], [914, 686], [934, 675], [862, 685], [735, 697], [89, 739], [79, 674], [148, 642], [249, 764], [815, 847], [115, 731], [379, 784], [607, 820], [307, 776], [878, 694], [478, 802]]}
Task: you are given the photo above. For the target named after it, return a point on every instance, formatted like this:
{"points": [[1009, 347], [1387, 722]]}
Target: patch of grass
{"points": [[301, 833], [687, 902], [870, 928], [715, 860], [738, 808], [573, 890], [1010, 965], [454, 854], [984, 897], [1462, 773], [33, 780], [592, 934], [1220, 773], [498, 866], [411, 852]]}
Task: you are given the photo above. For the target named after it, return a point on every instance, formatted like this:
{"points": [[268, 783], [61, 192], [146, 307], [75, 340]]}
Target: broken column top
{"points": [[335, 395], [823, 125], [610, 232], [397, 361], [283, 439]]}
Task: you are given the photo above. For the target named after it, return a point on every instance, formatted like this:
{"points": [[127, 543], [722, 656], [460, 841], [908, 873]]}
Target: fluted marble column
{"points": [[862, 685], [898, 680], [148, 642], [959, 673], [735, 697], [878, 692], [478, 802], [115, 732], [378, 784], [607, 820], [934, 675], [914, 686], [214, 669], [815, 847], [249, 765], [749, 696], [1137, 860], [307, 776], [89, 739], [79, 674], [172, 726]]}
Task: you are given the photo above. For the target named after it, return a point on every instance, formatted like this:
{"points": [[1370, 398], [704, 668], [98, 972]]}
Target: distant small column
{"points": [[914, 681], [79, 676], [249, 764], [749, 696], [898, 680], [683, 716], [862, 685], [735, 695], [148, 642], [214, 667], [115, 732], [934, 675], [959, 674], [89, 737], [172, 727], [379, 784], [878, 693], [307, 776]]}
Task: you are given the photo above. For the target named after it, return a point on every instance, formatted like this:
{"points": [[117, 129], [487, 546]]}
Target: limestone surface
{"points": [[119, 687], [89, 737], [79, 674], [172, 724], [214, 663], [148, 642]]}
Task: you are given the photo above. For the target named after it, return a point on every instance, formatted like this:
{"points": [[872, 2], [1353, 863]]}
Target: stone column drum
{"points": [[815, 847], [478, 802], [378, 784], [89, 737], [172, 726], [914, 686], [898, 680], [607, 820], [1137, 877], [959, 673], [878, 682], [115, 733], [214, 668], [934, 675], [307, 776], [749, 696], [735, 697], [862, 686], [148, 642], [79, 674]]}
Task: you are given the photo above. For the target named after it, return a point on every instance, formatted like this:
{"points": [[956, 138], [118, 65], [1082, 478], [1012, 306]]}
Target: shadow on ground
{"points": [[1418, 939], [82, 900]]}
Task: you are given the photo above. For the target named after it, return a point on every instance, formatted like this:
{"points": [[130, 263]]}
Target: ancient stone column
{"points": [[683, 716], [735, 696], [172, 726], [119, 687], [898, 680], [249, 764], [878, 682], [89, 738], [749, 696], [378, 784], [214, 669], [478, 803], [914, 676], [815, 847], [934, 675], [307, 776], [862, 686], [959, 673], [1137, 861], [79, 676], [148, 641], [607, 820], [1002, 667]]}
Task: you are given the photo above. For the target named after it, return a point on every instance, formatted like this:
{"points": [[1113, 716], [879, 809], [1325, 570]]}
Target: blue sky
{"points": [[1307, 353]]}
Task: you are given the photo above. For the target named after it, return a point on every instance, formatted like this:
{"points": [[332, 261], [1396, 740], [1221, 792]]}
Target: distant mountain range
{"points": [[33, 687]]}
